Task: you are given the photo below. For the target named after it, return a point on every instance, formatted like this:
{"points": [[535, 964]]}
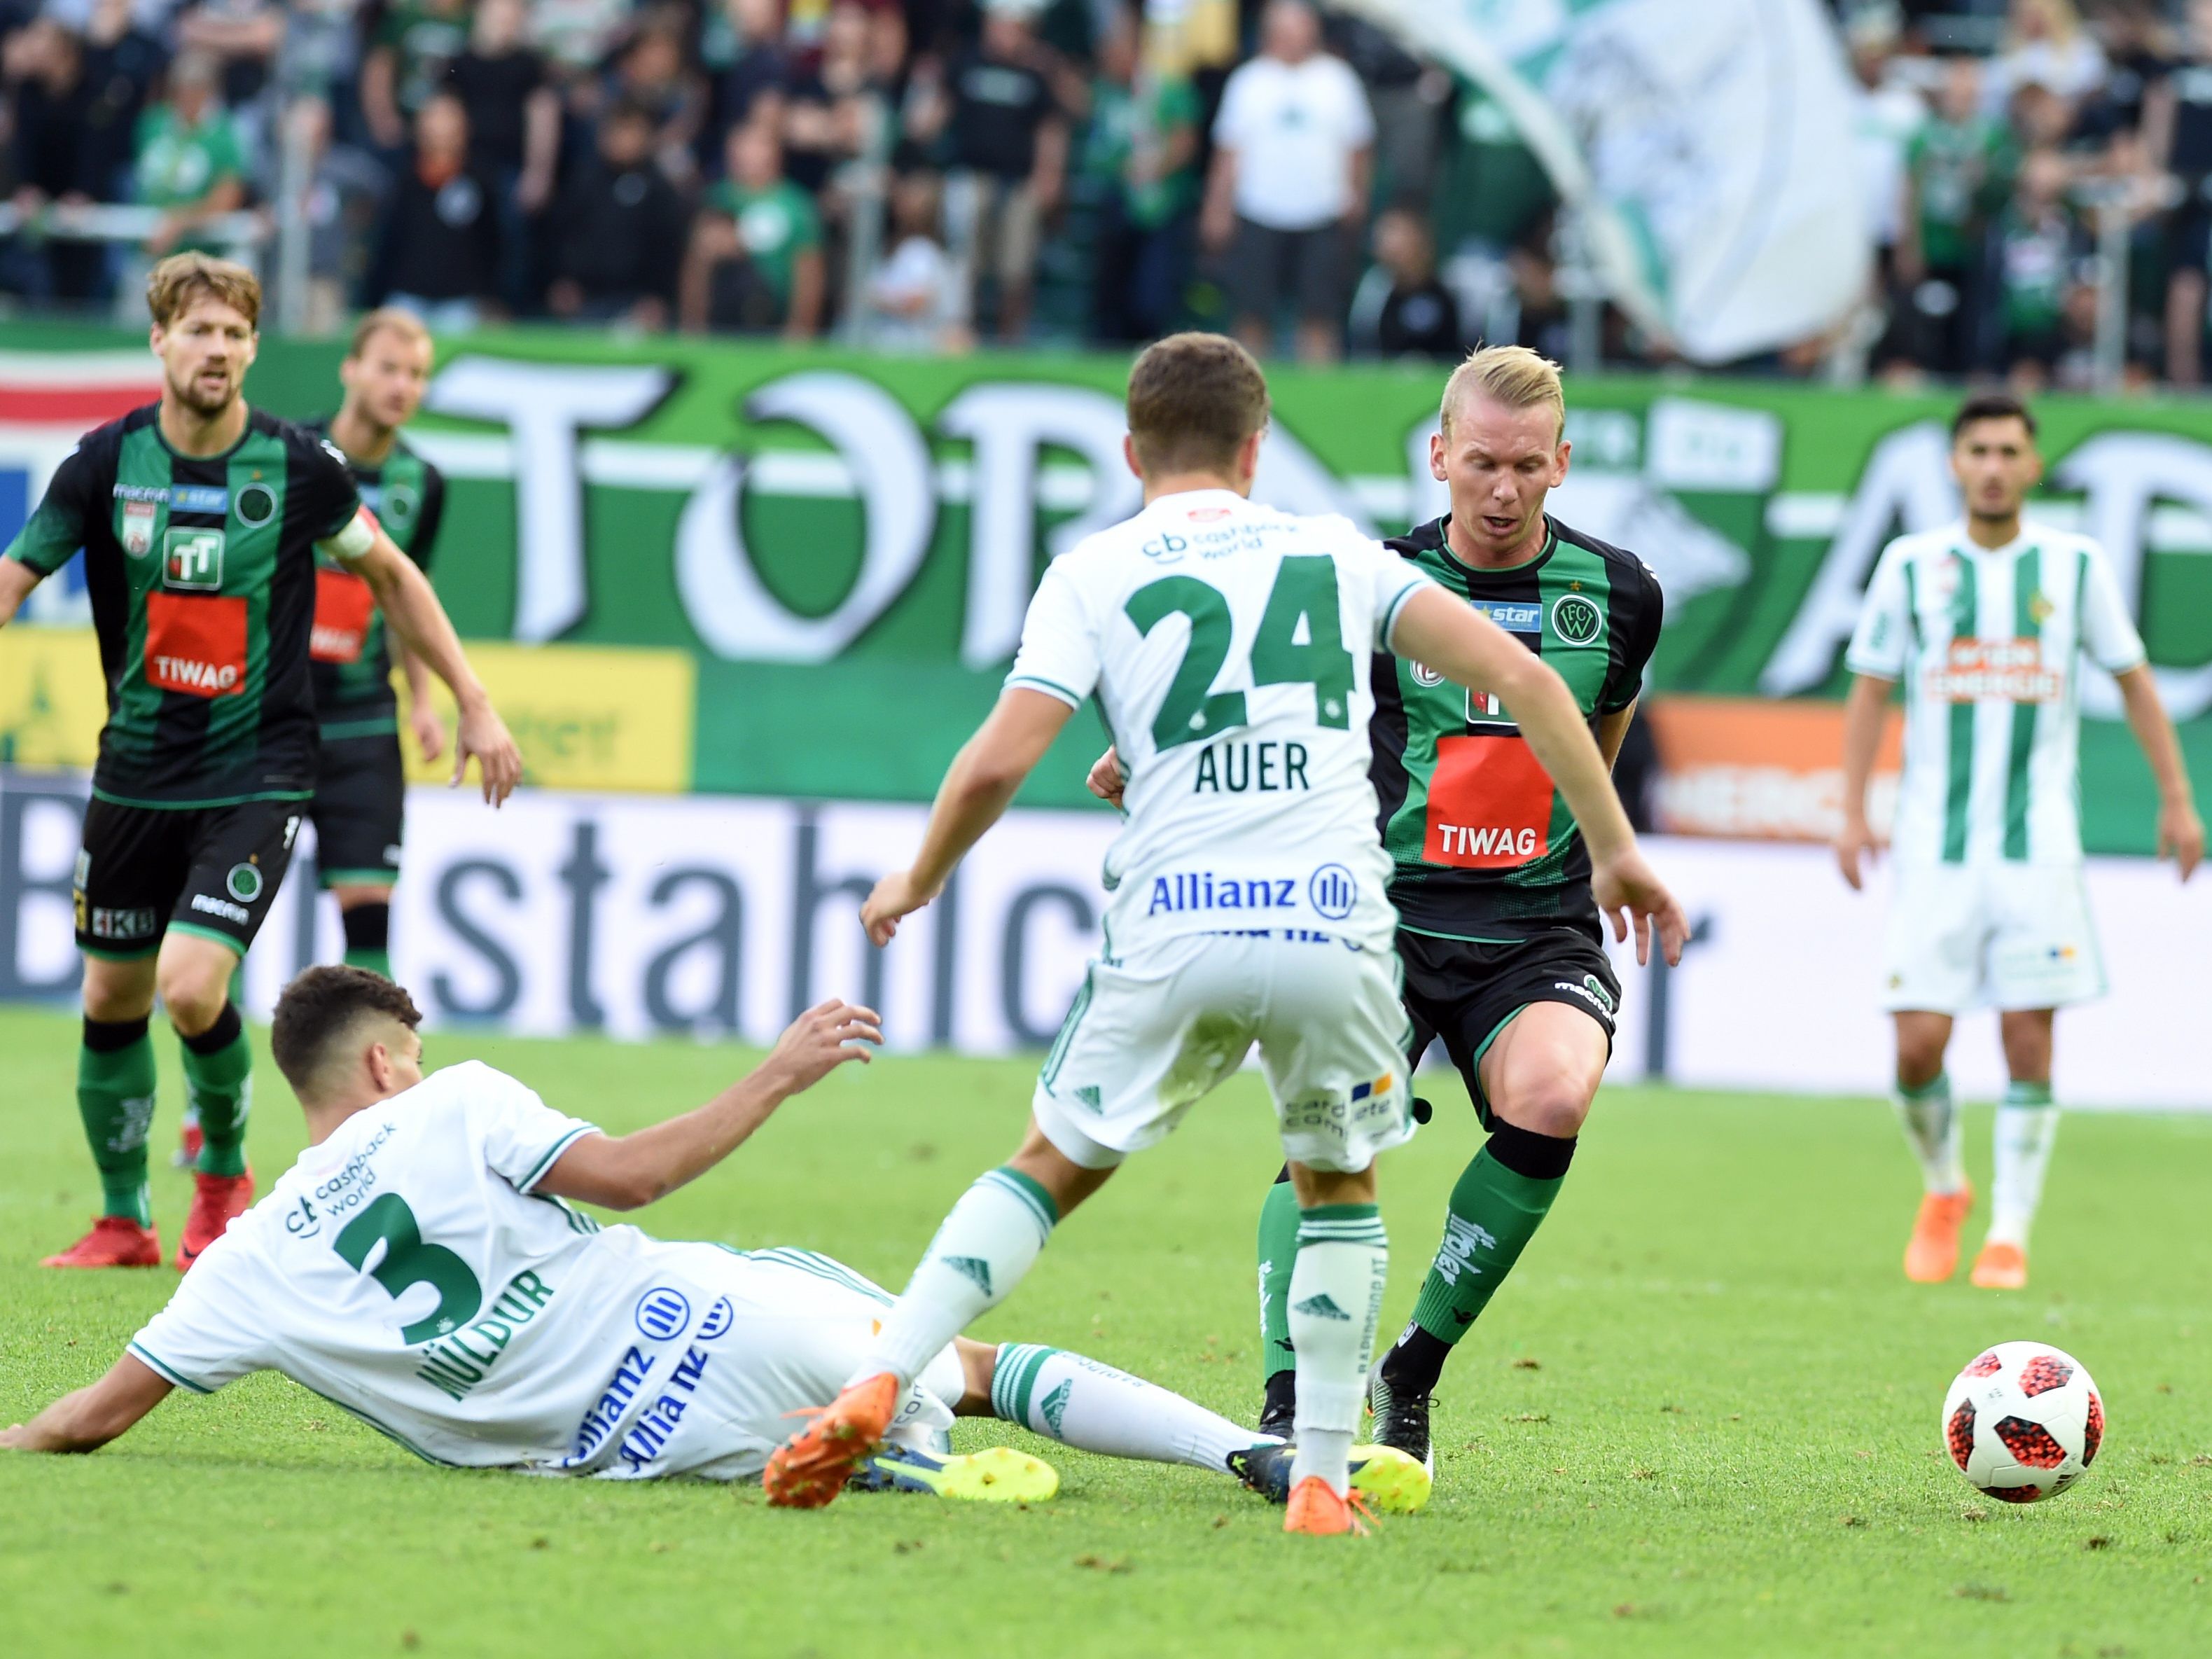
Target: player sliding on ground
{"points": [[419, 1266], [201, 520], [1229, 646], [1987, 622]]}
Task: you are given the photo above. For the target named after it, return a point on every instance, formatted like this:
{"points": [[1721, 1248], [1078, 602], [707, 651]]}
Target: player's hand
{"points": [[429, 731], [821, 1040], [896, 897], [1106, 779], [482, 734], [1629, 893], [1855, 846], [15, 1437], [2181, 836]]}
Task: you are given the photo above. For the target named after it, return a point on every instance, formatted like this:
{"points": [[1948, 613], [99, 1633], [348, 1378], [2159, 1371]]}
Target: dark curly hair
{"points": [[320, 1008]]}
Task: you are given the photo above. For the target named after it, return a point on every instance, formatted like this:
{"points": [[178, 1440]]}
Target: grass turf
{"points": [[1701, 1420]]}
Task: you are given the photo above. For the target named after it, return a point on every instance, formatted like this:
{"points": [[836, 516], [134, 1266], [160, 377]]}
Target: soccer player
{"points": [[1229, 645], [200, 519], [1987, 622], [421, 1266], [360, 784]]}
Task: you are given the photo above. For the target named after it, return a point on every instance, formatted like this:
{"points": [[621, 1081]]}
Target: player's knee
{"points": [[112, 999], [1919, 1060], [193, 995], [1555, 1105]]}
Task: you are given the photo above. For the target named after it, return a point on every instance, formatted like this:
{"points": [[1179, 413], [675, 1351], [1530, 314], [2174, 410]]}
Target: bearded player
{"points": [[200, 520], [1987, 622], [421, 1266]]}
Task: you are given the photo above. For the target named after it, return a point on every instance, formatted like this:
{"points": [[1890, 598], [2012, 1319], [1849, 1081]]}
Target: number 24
{"points": [[1306, 587]]}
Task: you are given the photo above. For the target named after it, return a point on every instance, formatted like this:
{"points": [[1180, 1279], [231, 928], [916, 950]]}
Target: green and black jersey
{"points": [[201, 571], [352, 660], [1485, 848]]}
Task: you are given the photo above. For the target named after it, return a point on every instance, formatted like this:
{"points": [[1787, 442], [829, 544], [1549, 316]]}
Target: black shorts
{"points": [[1465, 992], [359, 811], [1309, 267], [207, 870]]}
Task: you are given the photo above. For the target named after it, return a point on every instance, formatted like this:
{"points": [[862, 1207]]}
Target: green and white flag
{"points": [[1707, 142]]}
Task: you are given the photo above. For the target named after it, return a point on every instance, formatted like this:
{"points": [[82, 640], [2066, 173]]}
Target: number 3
{"points": [[408, 1262]]}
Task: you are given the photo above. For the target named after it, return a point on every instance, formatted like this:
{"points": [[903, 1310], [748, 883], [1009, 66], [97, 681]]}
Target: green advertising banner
{"points": [[845, 543]]}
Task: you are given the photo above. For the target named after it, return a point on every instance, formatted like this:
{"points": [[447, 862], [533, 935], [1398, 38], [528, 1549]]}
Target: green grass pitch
{"points": [[1700, 1420]]}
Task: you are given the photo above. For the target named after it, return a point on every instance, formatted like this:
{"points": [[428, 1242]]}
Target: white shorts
{"points": [[799, 1324], [2007, 936], [1151, 1035]]}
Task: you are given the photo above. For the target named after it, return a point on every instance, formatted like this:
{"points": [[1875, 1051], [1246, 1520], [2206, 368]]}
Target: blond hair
{"points": [[1511, 375], [405, 324], [1194, 399], [181, 278]]}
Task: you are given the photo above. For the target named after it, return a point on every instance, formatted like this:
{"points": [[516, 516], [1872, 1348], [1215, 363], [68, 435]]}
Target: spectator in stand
{"points": [[577, 36], [1401, 309], [832, 112], [1006, 146], [652, 75], [1141, 163], [53, 100], [514, 128], [755, 265], [190, 164], [438, 249], [2046, 46], [758, 64], [2139, 54], [2178, 134], [913, 302], [414, 45], [1960, 166], [2040, 248], [1888, 110], [241, 36], [619, 230], [345, 189], [1288, 194]]}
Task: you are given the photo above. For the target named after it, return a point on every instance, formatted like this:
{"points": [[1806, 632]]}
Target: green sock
{"points": [[1494, 1212], [376, 960], [219, 1083], [1278, 1255], [115, 1098]]}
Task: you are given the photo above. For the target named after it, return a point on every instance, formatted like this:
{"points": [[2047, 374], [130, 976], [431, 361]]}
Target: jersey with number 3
{"points": [[1229, 644], [407, 1270]]}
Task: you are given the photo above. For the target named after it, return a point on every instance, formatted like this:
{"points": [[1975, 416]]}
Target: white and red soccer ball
{"points": [[2023, 1421]]}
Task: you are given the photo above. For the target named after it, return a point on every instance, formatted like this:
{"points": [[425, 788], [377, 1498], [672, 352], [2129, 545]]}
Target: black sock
{"points": [[217, 1037], [1282, 1395]]}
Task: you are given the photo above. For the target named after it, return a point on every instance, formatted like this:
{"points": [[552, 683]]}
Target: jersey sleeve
{"points": [[1884, 635], [2108, 632], [328, 498], [433, 514], [209, 1335], [1387, 579], [52, 534], [1638, 641], [1060, 653], [523, 1136]]}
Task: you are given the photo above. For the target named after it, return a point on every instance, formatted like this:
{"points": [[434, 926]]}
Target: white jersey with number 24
{"points": [[1229, 644]]}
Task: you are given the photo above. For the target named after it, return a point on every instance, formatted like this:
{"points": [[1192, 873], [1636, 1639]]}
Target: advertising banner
{"points": [[842, 546], [637, 916]]}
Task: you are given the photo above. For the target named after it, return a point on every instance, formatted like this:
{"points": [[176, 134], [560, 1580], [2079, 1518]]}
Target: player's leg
{"points": [[361, 791], [1937, 931], [1092, 1406], [2026, 1128]]}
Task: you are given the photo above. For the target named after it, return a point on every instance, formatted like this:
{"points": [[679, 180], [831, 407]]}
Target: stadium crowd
{"points": [[921, 173]]}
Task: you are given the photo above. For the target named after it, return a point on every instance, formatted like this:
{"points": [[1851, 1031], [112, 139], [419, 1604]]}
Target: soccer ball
{"points": [[2023, 1421]]}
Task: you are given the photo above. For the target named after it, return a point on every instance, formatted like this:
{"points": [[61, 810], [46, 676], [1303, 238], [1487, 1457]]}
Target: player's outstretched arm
{"points": [[624, 1172], [983, 779], [1459, 642], [16, 581], [90, 1417], [1865, 710], [410, 606], [2180, 831]]}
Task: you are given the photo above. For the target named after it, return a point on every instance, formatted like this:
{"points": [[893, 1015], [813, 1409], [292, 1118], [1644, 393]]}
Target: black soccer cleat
{"points": [[1401, 1420], [1265, 1470]]}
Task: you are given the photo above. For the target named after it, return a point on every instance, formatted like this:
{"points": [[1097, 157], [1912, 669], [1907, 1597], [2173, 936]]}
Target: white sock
{"points": [[1336, 1298], [1080, 1403], [985, 1246], [2027, 1124], [1931, 1127]]}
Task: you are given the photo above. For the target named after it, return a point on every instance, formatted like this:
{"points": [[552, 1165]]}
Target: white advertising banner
{"points": [[637, 916]]}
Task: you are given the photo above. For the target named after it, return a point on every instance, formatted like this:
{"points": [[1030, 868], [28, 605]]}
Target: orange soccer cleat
{"points": [[1931, 1255], [811, 1467], [2000, 1267], [216, 1202], [1319, 1509], [115, 1241]]}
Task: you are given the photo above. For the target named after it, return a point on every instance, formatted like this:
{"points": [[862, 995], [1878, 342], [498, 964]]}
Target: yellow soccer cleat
{"points": [[997, 1474], [1392, 1482], [1931, 1255], [2000, 1267]]}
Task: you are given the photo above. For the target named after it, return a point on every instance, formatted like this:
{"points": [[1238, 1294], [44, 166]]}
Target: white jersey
{"points": [[404, 1270], [1989, 643], [1229, 644]]}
